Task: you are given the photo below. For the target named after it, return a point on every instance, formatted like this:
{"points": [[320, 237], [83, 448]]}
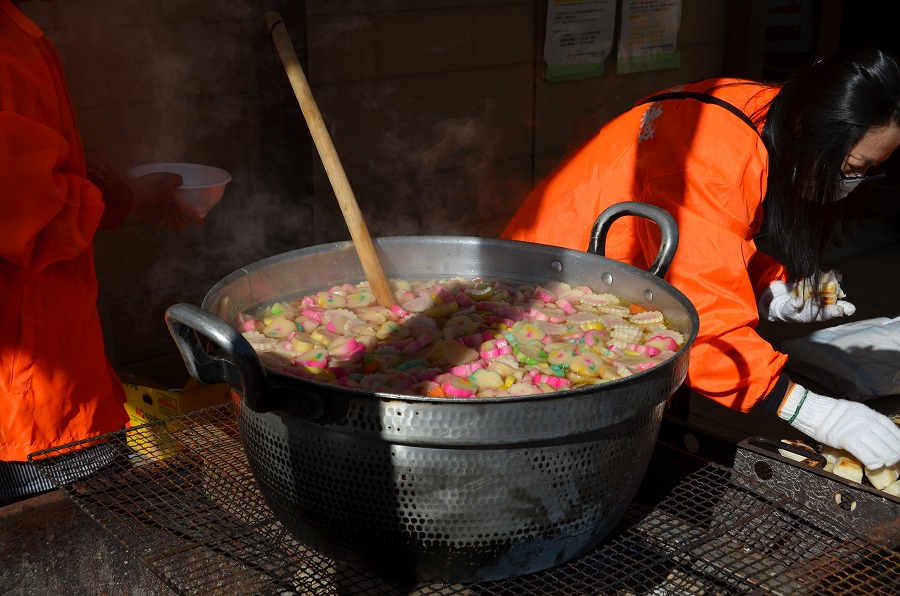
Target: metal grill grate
{"points": [[181, 498]]}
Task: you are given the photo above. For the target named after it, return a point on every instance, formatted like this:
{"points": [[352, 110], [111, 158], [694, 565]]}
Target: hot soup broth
{"points": [[461, 338]]}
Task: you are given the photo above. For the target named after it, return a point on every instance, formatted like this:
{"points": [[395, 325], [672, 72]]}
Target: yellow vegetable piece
{"points": [[323, 336], [279, 327], [479, 291]]}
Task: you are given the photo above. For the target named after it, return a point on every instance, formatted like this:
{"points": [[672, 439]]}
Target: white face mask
{"points": [[847, 185]]}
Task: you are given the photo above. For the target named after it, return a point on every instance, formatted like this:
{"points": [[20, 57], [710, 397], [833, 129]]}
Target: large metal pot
{"points": [[433, 489]]}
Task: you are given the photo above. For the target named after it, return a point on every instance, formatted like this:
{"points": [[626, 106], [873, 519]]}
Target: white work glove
{"points": [[779, 305], [871, 437]]}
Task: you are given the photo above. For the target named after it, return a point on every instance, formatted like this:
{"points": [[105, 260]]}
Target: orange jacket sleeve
{"points": [[48, 215], [708, 169]]}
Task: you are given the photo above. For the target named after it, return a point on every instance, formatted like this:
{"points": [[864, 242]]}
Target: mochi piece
{"points": [[849, 468], [882, 477]]}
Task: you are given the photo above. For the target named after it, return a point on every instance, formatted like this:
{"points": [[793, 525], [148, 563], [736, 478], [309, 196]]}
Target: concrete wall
{"points": [[438, 110]]}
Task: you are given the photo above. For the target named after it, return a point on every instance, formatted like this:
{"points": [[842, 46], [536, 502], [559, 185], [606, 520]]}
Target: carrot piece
{"points": [[435, 390], [635, 309]]}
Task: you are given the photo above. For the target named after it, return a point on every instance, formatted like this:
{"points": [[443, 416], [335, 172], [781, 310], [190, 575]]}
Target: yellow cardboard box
{"points": [[146, 404], [149, 404]]}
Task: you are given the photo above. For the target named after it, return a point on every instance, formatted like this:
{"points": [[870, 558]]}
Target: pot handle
{"points": [[658, 215], [240, 367]]}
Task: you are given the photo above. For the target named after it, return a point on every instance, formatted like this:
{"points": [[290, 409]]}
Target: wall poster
{"points": [[649, 35], [579, 38]]}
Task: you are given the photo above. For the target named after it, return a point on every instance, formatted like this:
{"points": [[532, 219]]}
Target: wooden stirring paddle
{"points": [[358, 230]]}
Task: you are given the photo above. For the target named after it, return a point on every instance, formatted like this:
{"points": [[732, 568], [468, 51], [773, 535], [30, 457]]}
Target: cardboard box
{"points": [[149, 404], [146, 404]]}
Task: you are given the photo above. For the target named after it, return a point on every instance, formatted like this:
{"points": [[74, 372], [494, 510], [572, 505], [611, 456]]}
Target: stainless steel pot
{"points": [[437, 489]]}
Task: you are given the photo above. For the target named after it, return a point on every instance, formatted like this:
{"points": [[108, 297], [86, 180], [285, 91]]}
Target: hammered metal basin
{"points": [[437, 489]]}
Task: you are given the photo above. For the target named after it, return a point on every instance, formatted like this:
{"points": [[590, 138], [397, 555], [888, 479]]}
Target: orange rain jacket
{"points": [[56, 384], [708, 168]]}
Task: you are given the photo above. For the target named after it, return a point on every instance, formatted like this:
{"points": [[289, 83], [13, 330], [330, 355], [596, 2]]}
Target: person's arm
{"points": [[49, 214], [118, 201], [763, 270], [730, 362], [152, 198], [871, 437]]}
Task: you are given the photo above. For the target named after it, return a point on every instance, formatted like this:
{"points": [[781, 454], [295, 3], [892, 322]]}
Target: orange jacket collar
{"points": [[19, 18]]}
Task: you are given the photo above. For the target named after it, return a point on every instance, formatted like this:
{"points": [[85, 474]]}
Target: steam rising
{"points": [[161, 82]]}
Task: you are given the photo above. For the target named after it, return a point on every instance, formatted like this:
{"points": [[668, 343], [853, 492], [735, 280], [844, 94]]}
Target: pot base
{"points": [[441, 512]]}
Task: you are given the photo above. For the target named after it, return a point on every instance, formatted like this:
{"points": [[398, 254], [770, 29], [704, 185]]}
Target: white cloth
{"points": [[871, 437], [779, 304], [858, 360]]}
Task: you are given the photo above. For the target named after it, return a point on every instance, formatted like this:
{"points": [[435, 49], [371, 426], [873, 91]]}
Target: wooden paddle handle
{"points": [[346, 199]]}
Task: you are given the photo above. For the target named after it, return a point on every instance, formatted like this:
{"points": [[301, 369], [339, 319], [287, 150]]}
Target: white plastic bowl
{"points": [[202, 186]]}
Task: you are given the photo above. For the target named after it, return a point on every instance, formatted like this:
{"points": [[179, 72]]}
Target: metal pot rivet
{"points": [[556, 266], [648, 295], [607, 278]]}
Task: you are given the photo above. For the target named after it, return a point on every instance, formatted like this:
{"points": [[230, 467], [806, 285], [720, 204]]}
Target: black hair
{"points": [[812, 124]]}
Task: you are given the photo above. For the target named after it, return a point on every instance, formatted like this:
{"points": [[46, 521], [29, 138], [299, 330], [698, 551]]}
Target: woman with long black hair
{"points": [[726, 157]]}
